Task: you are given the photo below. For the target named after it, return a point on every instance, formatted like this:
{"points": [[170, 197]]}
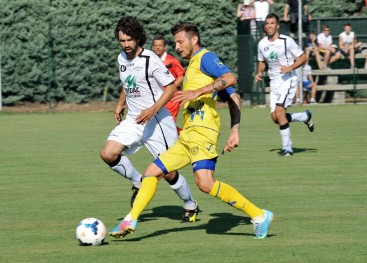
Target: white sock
{"points": [[299, 116], [259, 219], [286, 139], [126, 169], [182, 189], [128, 217]]}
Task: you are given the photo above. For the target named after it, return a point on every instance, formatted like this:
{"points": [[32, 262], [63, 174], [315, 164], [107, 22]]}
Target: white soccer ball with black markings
{"points": [[91, 232]]}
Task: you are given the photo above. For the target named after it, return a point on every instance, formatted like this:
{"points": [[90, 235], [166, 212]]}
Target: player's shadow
{"points": [[219, 224], [170, 212], [296, 150]]}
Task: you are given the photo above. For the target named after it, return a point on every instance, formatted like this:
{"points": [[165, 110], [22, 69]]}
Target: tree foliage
{"points": [[66, 50]]}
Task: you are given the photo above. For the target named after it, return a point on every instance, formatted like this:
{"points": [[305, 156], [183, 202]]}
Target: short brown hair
{"points": [[188, 27]]}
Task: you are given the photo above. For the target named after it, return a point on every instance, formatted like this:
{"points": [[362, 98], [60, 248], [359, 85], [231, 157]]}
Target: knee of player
{"points": [[171, 177], [205, 188], [205, 185], [277, 116], [107, 156], [156, 169]]}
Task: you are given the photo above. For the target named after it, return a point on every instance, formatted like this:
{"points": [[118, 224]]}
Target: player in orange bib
{"points": [[176, 69]]}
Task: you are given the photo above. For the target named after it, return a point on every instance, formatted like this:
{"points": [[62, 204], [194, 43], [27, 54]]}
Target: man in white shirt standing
{"points": [[262, 10], [279, 51]]}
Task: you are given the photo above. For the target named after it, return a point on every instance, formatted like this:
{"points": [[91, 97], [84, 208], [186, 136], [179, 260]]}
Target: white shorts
{"points": [[157, 134], [282, 91]]}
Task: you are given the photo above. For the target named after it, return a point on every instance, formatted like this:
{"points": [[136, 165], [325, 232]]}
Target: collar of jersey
{"points": [[199, 50]]}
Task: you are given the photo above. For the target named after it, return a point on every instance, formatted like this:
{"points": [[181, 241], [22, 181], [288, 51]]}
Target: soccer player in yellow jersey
{"points": [[205, 77]]}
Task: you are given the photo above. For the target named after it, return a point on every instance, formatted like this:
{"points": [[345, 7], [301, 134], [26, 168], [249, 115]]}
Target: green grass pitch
{"points": [[51, 177]]}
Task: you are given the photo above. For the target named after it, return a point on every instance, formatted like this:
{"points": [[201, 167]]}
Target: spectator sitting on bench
{"points": [[348, 44], [327, 49], [313, 48], [308, 84]]}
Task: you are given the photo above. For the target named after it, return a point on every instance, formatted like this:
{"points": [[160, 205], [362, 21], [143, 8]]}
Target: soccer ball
{"points": [[91, 232]]}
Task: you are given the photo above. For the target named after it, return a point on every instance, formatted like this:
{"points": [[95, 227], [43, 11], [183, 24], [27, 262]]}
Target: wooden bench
{"points": [[334, 85]]}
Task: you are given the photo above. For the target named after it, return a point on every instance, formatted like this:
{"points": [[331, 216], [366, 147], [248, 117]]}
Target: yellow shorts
{"points": [[194, 144]]}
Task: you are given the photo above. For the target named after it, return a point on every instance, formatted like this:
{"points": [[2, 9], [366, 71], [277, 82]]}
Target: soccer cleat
{"points": [[309, 123], [135, 193], [190, 215], [124, 228], [261, 229], [285, 152]]}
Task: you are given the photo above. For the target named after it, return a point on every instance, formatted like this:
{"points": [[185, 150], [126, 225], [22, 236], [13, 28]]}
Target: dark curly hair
{"points": [[188, 27], [130, 26]]}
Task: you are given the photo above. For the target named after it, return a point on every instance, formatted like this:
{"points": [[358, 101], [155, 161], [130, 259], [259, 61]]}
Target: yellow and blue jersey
{"points": [[203, 69]]}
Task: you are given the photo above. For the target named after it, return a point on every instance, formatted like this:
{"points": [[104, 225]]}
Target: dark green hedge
{"points": [[65, 51]]}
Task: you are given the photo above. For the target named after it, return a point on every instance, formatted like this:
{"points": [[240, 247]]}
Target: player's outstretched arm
{"points": [[224, 81]]}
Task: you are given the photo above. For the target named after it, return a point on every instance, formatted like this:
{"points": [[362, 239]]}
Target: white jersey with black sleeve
{"points": [[143, 78], [281, 51]]}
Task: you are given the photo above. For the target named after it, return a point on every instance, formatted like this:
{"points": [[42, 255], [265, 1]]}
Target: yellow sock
{"points": [[145, 195], [231, 196]]}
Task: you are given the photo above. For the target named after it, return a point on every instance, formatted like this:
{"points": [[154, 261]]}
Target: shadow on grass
{"points": [[219, 224], [297, 150]]}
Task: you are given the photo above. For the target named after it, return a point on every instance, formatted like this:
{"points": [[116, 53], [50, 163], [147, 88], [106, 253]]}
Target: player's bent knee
{"points": [[156, 169], [108, 157], [203, 188], [172, 176]]}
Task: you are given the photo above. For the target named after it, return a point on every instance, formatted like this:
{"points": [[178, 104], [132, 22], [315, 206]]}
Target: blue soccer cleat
{"points": [[124, 228], [261, 229]]}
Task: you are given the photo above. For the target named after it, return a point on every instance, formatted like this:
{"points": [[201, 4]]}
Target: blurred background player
{"points": [[176, 69], [148, 123], [279, 51]]}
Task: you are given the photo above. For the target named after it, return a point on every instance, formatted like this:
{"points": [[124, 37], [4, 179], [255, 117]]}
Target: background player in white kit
{"points": [[279, 51], [148, 122]]}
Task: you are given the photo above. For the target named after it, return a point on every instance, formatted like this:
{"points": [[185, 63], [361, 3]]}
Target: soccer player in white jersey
{"points": [[283, 56], [148, 123]]}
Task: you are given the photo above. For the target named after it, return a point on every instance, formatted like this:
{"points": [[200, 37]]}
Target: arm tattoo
{"points": [[218, 85]]}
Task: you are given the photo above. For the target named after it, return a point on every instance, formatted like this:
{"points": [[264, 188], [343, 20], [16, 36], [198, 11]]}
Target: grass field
{"points": [[51, 177]]}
